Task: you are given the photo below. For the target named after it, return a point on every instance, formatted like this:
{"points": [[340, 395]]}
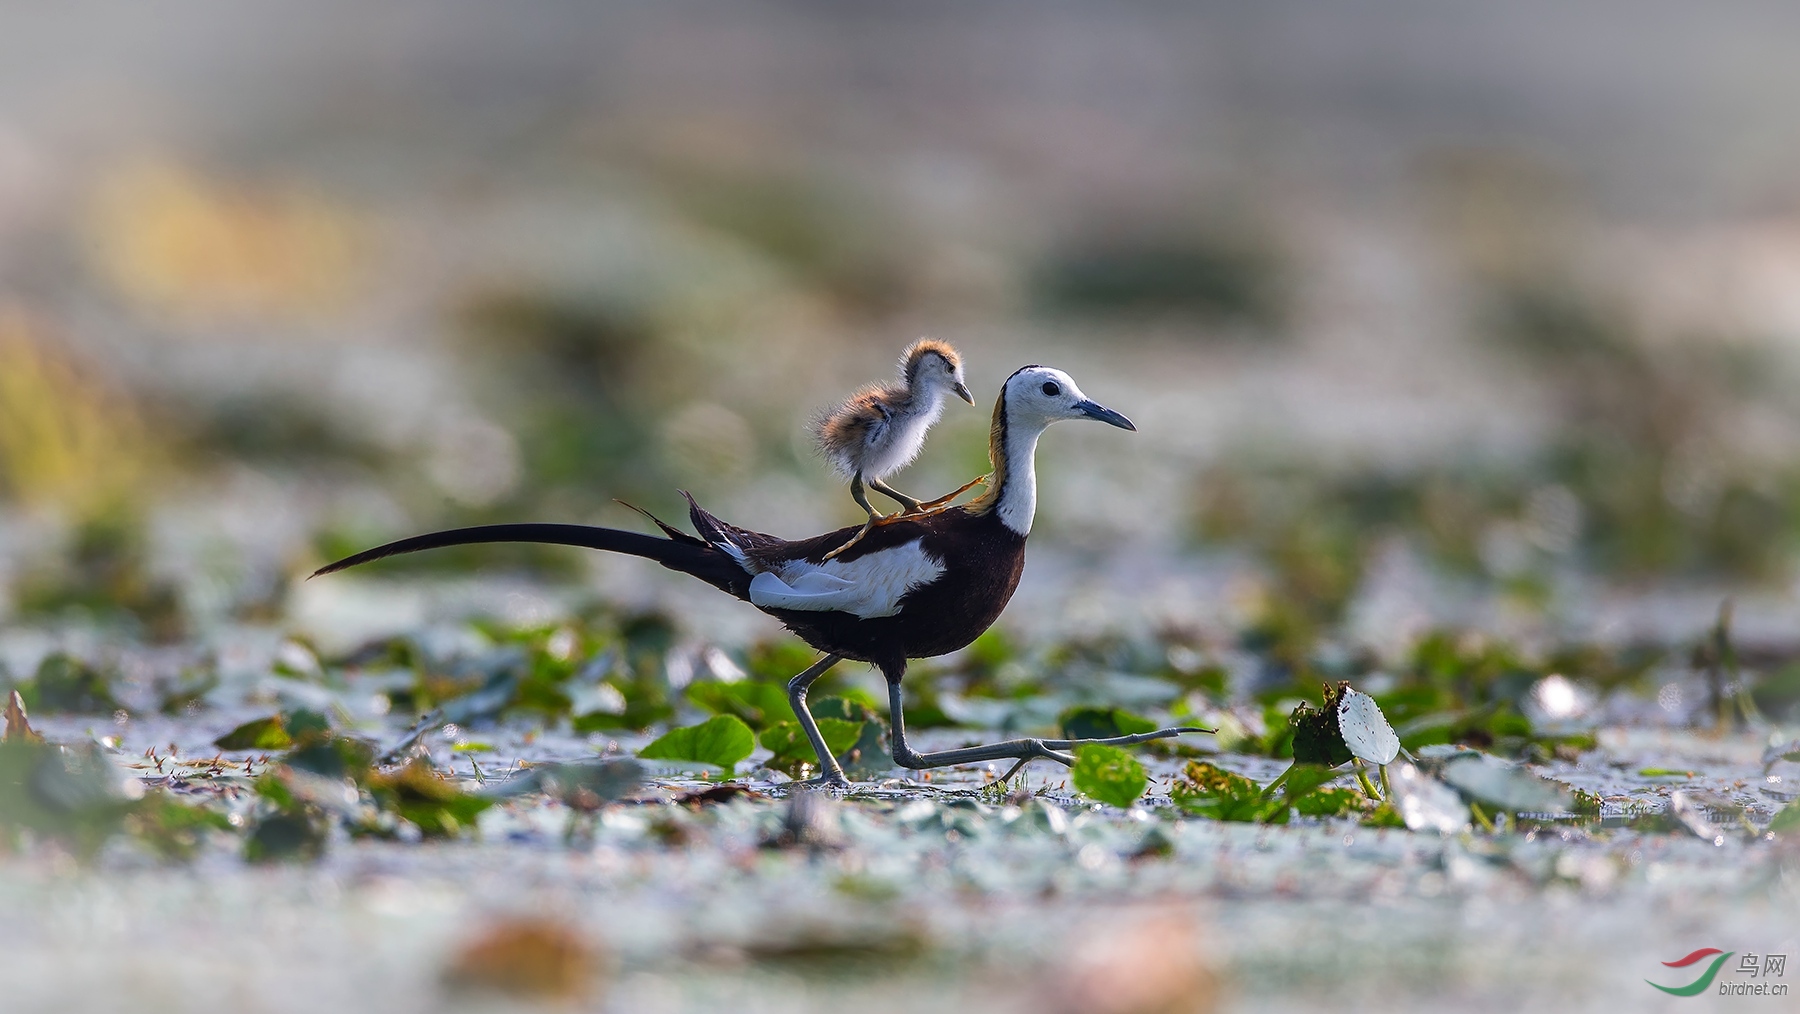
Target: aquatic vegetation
{"points": [[721, 741], [1109, 774]]}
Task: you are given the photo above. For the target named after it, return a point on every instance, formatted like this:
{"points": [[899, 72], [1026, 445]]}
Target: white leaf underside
{"points": [[1366, 730]]}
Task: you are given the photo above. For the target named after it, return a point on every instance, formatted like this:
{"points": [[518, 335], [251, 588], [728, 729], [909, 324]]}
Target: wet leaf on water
{"points": [[869, 756], [297, 728], [760, 705], [1303, 788], [528, 957], [1109, 774], [1424, 803], [787, 741], [281, 836], [1787, 820], [65, 683], [333, 757], [722, 741], [259, 734], [1318, 739], [1207, 790], [18, 726], [1365, 730], [1487, 779], [1089, 722], [417, 793]]}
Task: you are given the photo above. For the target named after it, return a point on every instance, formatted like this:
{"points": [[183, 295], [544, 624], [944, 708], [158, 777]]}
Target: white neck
{"points": [[1018, 489]]}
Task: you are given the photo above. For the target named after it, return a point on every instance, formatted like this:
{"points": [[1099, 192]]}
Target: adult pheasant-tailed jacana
{"points": [[920, 586], [879, 430]]}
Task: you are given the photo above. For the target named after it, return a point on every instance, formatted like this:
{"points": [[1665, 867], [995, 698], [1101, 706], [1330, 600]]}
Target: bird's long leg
{"points": [[1023, 751], [862, 500], [830, 773], [909, 505]]}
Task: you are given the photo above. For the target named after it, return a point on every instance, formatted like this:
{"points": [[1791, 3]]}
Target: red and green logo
{"points": [[1699, 985]]}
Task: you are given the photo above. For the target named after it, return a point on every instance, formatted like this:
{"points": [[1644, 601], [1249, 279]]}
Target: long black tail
{"points": [[679, 552]]}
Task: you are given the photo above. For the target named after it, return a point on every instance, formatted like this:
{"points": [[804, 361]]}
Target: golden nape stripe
{"points": [[990, 497]]}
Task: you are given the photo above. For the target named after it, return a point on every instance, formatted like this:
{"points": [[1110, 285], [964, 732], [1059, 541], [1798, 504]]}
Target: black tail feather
{"points": [[687, 555]]}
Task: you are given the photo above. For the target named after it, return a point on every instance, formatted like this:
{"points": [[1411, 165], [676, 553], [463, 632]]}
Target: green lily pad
{"points": [[1109, 774], [759, 704], [721, 741], [787, 741], [436, 805]]}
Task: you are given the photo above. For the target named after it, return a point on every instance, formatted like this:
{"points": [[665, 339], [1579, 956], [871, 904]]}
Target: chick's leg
{"points": [[862, 500], [910, 505]]}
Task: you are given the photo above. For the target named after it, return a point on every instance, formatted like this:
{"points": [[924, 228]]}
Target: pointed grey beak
{"points": [[962, 391], [1093, 410]]}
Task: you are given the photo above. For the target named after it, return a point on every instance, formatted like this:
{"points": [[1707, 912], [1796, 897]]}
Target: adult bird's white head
{"points": [[1030, 400]]}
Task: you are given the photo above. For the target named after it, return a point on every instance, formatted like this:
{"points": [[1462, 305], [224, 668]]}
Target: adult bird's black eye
{"points": [[1051, 389]]}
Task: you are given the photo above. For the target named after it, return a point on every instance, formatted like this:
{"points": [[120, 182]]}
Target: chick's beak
{"points": [[1094, 410], [962, 391]]}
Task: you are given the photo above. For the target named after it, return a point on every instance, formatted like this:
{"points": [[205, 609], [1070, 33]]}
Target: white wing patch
{"points": [[868, 587]]}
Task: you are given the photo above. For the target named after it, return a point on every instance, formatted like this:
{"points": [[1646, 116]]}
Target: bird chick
{"points": [[880, 429]]}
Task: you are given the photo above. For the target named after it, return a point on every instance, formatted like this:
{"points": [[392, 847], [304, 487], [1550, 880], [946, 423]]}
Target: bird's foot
{"points": [[944, 502], [830, 781], [858, 537]]}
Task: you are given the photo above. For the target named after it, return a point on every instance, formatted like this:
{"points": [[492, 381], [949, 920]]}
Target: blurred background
{"points": [[1484, 317]]}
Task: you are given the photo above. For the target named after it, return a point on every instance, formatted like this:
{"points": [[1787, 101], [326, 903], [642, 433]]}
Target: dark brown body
{"points": [[982, 561]]}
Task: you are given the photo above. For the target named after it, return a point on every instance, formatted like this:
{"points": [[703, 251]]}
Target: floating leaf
{"points": [[65, 683], [1424, 803], [1787, 820], [759, 704], [787, 741], [1365, 729], [1089, 722], [1488, 779], [285, 835], [1207, 790], [721, 741], [1109, 774], [260, 734], [294, 827], [417, 793]]}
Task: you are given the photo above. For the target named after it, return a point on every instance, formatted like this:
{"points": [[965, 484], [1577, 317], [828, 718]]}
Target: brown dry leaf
{"points": [[1153, 964], [528, 957], [17, 725]]}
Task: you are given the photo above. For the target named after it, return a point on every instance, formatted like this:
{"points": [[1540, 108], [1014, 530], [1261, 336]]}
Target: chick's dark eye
{"points": [[1051, 389]]}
